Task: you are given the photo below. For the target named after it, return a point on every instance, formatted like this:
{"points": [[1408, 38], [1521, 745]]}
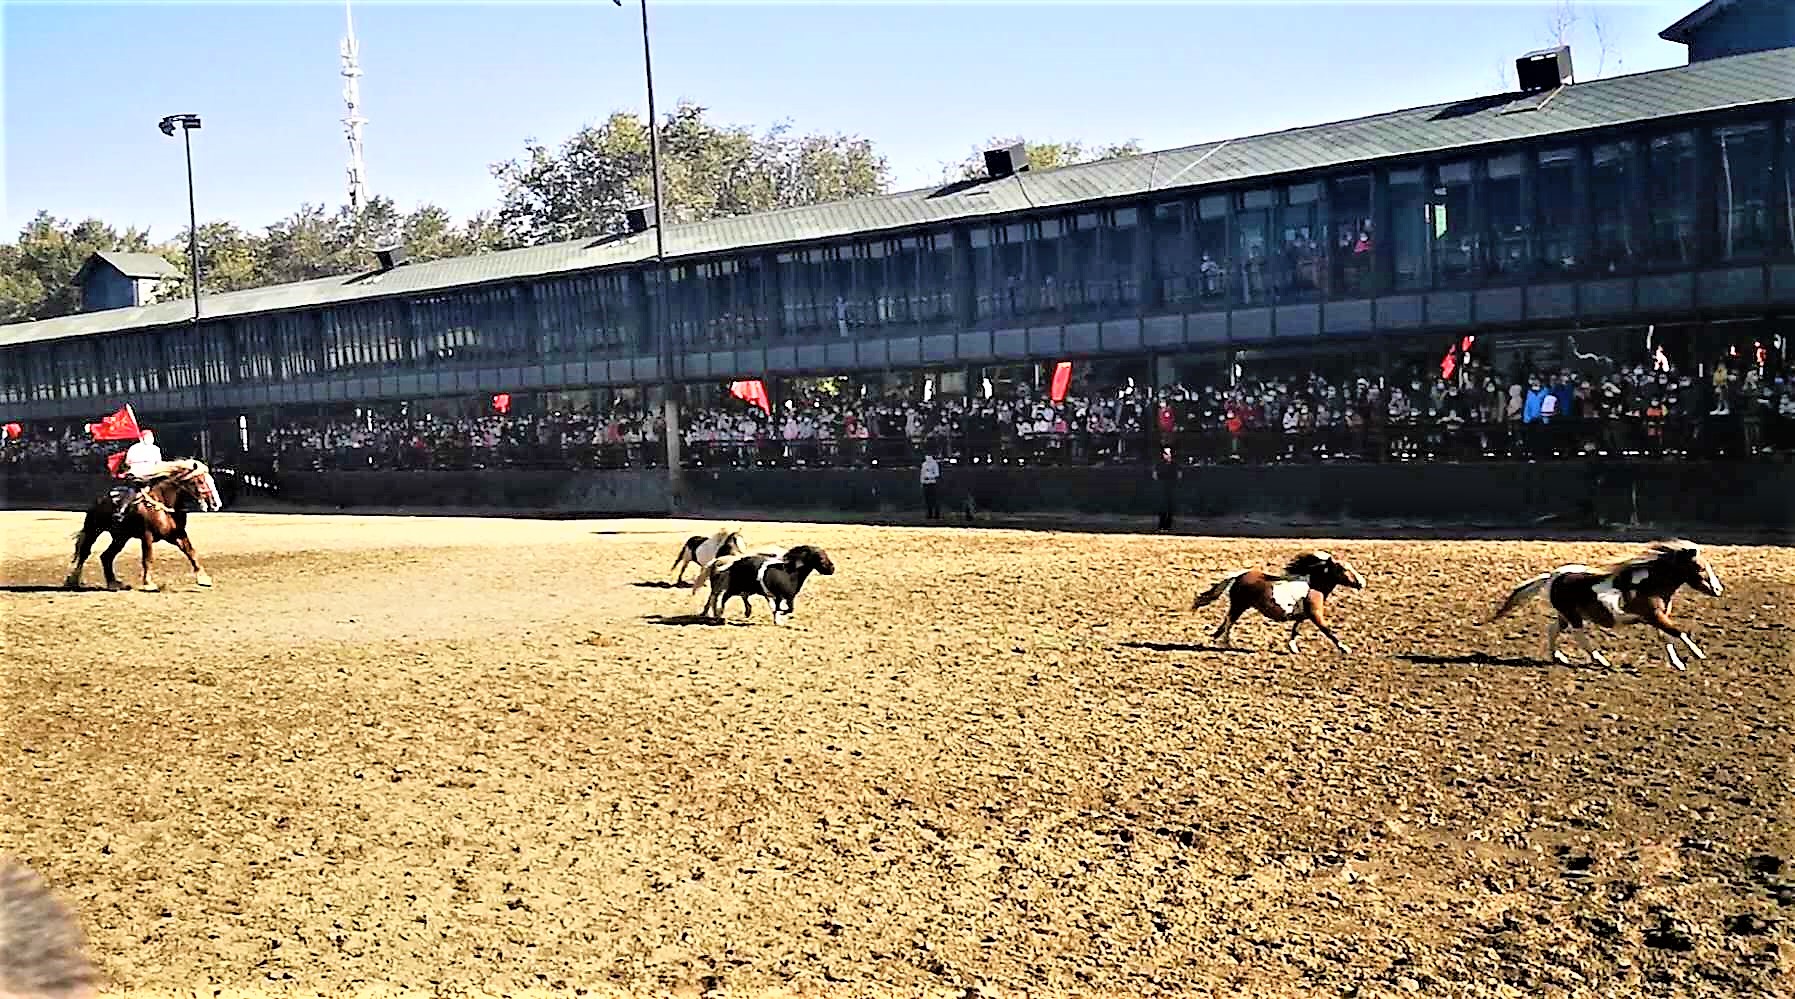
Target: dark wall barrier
{"points": [[1745, 495]]}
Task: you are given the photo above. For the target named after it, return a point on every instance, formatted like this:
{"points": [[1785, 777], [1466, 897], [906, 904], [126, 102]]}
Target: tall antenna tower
{"points": [[352, 119]]}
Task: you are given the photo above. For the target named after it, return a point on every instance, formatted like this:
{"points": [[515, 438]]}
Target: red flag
{"points": [[753, 393], [501, 403], [113, 461], [1062, 380], [13, 431], [120, 426]]}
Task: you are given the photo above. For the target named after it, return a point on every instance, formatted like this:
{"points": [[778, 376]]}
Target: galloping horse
{"points": [[159, 513], [1631, 591], [701, 551], [778, 578], [1299, 594]]}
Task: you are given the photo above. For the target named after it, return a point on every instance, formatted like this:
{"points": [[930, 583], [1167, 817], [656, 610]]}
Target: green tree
{"points": [[37, 270], [1041, 155], [581, 188]]}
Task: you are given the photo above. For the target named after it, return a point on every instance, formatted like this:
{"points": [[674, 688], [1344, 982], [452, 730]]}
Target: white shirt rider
{"points": [[144, 457]]}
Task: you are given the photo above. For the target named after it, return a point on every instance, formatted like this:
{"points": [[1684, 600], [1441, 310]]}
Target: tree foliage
{"points": [[1041, 155], [581, 188]]}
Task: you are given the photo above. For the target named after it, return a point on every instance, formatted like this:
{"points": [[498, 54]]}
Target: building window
{"points": [[1556, 200], [1300, 244], [1456, 242], [1510, 231], [1349, 200], [1671, 199], [1744, 190], [1411, 224], [1252, 227], [1788, 220], [1612, 181], [1046, 244], [1172, 269]]}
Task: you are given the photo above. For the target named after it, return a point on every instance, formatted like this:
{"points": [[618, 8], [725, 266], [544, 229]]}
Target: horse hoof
{"points": [[71, 583], [150, 588], [117, 585], [203, 580]]}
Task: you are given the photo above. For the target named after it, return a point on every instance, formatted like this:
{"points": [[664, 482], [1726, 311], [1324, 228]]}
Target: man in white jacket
{"points": [[143, 464], [931, 486]]}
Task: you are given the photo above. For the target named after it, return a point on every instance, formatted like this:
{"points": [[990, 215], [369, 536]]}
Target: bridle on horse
{"points": [[180, 478]]}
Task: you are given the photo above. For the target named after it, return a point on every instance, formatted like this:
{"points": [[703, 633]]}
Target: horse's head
{"points": [[731, 544], [195, 480], [1324, 571], [1686, 566], [809, 557]]}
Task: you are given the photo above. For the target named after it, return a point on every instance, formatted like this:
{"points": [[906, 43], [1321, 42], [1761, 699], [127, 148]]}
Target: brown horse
{"points": [[1299, 594], [1631, 591], [157, 513]]}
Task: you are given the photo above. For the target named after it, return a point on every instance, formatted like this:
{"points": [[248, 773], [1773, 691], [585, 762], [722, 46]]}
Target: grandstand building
{"points": [[1605, 218]]}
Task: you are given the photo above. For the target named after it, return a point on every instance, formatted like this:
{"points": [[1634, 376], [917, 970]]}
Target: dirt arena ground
{"points": [[475, 757]]}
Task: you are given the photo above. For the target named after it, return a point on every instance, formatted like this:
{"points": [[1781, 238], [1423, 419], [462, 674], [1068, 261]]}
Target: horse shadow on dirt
{"points": [[685, 620], [661, 584], [52, 588], [1183, 647], [1476, 659]]}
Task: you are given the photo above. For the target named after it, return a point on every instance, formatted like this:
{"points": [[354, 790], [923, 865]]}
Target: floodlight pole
{"points": [[663, 329], [187, 123]]}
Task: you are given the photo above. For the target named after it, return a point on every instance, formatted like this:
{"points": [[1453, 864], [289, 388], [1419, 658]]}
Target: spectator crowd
{"points": [[1736, 411]]}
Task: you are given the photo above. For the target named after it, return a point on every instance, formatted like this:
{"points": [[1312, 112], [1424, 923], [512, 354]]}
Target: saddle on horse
{"points": [[131, 487]]}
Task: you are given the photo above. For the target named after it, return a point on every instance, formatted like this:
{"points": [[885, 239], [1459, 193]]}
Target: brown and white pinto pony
{"points": [[1299, 594], [1631, 591], [158, 513]]}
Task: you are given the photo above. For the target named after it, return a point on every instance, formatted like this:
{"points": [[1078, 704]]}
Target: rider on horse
{"points": [[143, 465]]}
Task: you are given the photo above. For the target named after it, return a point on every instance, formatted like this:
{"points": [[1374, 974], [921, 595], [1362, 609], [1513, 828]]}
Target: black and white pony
{"points": [[777, 578], [1632, 591], [701, 551], [1299, 594]]}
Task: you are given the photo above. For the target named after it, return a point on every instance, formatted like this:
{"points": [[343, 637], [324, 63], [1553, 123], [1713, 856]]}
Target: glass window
{"points": [[1612, 178], [1001, 285], [1671, 199], [1252, 225], [1744, 190], [798, 280], [1510, 231], [1788, 222], [1350, 203], [1300, 244], [1046, 241], [1172, 269], [1411, 225], [1210, 236], [1556, 200], [1456, 242]]}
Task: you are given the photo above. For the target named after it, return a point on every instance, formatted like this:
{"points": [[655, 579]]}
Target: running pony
{"points": [[1299, 594], [1631, 591], [159, 513], [701, 551]]}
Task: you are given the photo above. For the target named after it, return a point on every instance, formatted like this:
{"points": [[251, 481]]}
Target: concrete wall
{"points": [[1748, 496]]}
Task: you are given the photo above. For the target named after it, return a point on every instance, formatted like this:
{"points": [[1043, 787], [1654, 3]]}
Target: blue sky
{"points": [[452, 88]]}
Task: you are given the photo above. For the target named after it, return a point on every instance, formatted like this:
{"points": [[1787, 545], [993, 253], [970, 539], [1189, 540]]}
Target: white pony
{"points": [[701, 551]]}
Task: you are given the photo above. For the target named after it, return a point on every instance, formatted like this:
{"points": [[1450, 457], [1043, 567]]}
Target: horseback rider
{"points": [[143, 465]]}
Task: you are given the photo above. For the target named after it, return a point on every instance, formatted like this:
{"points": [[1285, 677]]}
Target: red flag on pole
{"points": [[113, 461], [13, 431], [120, 426], [1062, 380], [753, 393]]}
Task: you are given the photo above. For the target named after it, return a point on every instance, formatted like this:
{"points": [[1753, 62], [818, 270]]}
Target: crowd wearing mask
{"points": [[1735, 411]]}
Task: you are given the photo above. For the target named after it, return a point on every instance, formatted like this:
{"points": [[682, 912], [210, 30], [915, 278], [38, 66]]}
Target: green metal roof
{"points": [[1715, 85], [131, 265]]}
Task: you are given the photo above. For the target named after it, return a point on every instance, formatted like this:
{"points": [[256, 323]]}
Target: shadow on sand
{"points": [[1475, 659], [1182, 647]]}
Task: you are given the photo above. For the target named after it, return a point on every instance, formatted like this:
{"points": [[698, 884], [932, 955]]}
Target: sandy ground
{"points": [[458, 756]]}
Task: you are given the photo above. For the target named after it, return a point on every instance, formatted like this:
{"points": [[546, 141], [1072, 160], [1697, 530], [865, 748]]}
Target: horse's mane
{"points": [[1658, 551], [1306, 564]]}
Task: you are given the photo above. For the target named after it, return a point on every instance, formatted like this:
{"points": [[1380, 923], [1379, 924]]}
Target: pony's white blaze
{"points": [[1289, 594]]}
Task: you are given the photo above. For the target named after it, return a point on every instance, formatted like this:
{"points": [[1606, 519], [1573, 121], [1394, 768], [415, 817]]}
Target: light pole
{"points": [[187, 123], [663, 338]]}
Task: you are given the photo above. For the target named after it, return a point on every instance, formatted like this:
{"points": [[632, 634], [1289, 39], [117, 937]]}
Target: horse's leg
{"points": [[186, 546], [1588, 644], [1321, 624], [119, 540], [83, 548], [149, 542], [1294, 628], [1552, 631], [1661, 621]]}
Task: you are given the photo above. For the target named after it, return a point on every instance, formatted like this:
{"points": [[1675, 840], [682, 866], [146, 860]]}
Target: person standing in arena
{"points": [[1166, 471], [931, 487]]}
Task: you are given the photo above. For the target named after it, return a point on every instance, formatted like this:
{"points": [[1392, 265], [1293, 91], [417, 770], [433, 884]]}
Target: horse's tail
{"points": [[1221, 586], [684, 553], [1522, 593]]}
